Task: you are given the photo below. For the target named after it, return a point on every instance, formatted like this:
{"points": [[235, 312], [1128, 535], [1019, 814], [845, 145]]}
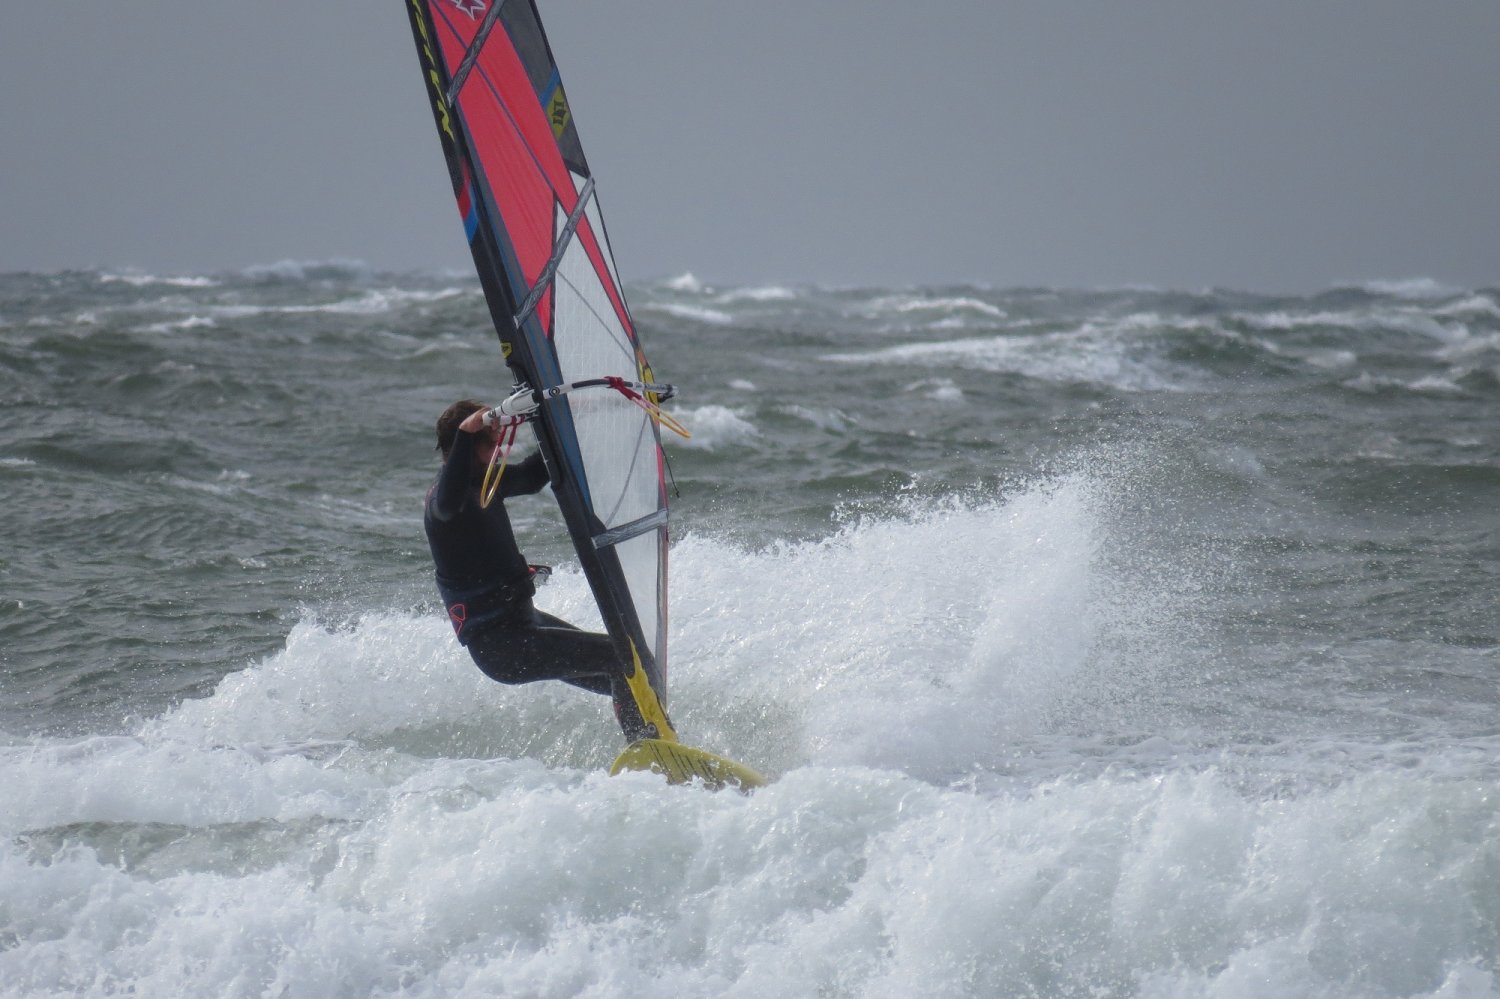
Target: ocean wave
{"points": [[187, 323], [352, 873], [937, 389], [694, 313], [1283, 320], [1469, 347], [141, 279], [765, 293], [1474, 306], [329, 815], [713, 427], [823, 418], [337, 269], [685, 282], [1411, 288], [1443, 327], [1371, 384], [1009, 758], [368, 302], [945, 305], [1331, 359], [1057, 357]]}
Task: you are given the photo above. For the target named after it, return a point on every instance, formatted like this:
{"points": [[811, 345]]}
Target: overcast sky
{"points": [[1279, 145]]}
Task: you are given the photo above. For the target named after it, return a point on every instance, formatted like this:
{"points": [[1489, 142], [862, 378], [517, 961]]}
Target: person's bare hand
{"points": [[474, 422]]}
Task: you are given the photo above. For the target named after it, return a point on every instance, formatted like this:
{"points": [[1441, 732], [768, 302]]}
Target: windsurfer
{"points": [[486, 584]]}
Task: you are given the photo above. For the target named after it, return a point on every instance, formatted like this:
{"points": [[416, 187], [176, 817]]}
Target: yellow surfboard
{"points": [[680, 764]]}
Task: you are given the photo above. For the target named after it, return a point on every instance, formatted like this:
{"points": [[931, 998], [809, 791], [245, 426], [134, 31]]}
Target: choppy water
{"points": [[1100, 643]]}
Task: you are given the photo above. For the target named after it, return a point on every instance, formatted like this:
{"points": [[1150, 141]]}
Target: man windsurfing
{"points": [[487, 585]]}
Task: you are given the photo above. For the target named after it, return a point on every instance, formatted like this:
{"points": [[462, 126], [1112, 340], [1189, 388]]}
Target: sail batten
{"points": [[564, 239], [625, 532], [471, 55]]}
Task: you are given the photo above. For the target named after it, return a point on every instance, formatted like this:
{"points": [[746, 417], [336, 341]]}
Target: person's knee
{"points": [[502, 662], [501, 676]]}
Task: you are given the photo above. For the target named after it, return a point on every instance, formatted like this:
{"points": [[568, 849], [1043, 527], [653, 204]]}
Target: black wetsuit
{"points": [[487, 588]]}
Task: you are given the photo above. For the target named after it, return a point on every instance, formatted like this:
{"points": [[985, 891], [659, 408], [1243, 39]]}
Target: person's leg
{"points": [[552, 649], [627, 713], [525, 655]]}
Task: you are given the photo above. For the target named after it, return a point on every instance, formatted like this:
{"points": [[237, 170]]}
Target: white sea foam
{"points": [[1429, 384], [1284, 320], [504, 878], [444, 343], [713, 427], [821, 417], [767, 293], [139, 279], [1436, 385], [1480, 306], [1058, 357], [362, 813], [1405, 318], [226, 483], [938, 389], [1449, 332], [906, 311], [905, 304], [1469, 347], [301, 270], [1411, 288], [1332, 359], [188, 323], [695, 313], [371, 301], [685, 282]]}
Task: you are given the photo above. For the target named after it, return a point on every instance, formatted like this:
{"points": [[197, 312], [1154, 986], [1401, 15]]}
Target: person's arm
{"points": [[525, 477], [452, 489], [521, 479]]}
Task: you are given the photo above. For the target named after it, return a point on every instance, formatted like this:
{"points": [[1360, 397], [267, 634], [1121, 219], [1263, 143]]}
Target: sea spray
{"points": [[1128, 650]]}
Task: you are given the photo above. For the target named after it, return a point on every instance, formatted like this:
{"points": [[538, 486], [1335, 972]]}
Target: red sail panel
{"points": [[511, 136]]}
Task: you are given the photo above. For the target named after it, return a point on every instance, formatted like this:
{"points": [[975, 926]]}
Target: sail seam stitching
{"points": [[626, 349]]}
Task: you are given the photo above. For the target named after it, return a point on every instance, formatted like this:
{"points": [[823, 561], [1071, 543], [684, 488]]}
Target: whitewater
{"points": [[1114, 642]]}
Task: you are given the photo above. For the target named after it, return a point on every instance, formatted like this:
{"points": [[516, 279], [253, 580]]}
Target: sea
{"points": [[1095, 642]]}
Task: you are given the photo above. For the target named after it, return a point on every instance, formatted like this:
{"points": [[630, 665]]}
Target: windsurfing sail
{"points": [[526, 197]]}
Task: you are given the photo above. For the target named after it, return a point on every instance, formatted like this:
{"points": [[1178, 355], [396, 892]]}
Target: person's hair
{"points": [[447, 424]]}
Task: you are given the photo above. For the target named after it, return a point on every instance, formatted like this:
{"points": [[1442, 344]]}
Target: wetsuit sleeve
{"points": [[452, 489], [525, 477]]}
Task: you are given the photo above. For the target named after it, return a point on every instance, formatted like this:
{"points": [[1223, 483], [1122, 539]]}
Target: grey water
{"points": [[1099, 642]]}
